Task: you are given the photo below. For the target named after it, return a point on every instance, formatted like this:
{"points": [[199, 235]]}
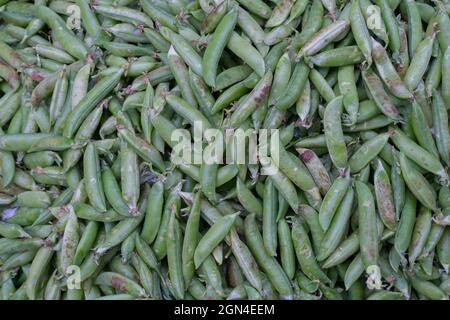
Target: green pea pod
{"points": [[270, 207], [441, 126], [287, 254], [305, 255], [174, 256], [388, 73], [384, 196], [216, 46], [419, 61], [94, 96], [120, 283], [332, 199], [212, 238], [268, 264], [419, 236], [333, 133], [335, 233], [418, 154], [92, 180], [368, 234], [360, 32], [37, 268], [379, 95]]}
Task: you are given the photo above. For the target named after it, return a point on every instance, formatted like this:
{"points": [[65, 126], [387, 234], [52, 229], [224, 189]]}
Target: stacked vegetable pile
{"points": [[93, 205]]}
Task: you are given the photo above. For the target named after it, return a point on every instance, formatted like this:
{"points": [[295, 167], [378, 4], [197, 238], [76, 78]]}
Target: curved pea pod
{"points": [[376, 122], [294, 87], [172, 204], [368, 234], [9, 55], [145, 150], [270, 207], [336, 231], [379, 95], [323, 37], [305, 255], [118, 234], [333, 132], [174, 256], [9, 105], [354, 271], [417, 183], [321, 85], [231, 76], [434, 75], [213, 17], [188, 112], [445, 81], [278, 34], [421, 130], [92, 180], [70, 240], [37, 269], [216, 45], [184, 49], [21, 141], [153, 212], [6, 199], [406, 224], [427, 288], [287, 254], [252, 29], [367, 152], [86, 242], [316, 168], [294, 169], [33, 199], [386, 295], [312, 22], [213, 237], [11, 231], [279, 14], [129, 176], [248, 200], [10, 75], [420, 234], [360, 31], [113, 193], [384, 196], [190, 240], [391, 26], [251, 102], [280, 78], [98, 92], [419, 62], [120, 283], [282, 183], [53, 143], [418, 154], [312, 220], [346, 249], [442, 251], [268, 264], [246, 261], [387, 72], [332, 200], [303, 106], [347, 87], [440, 125]]}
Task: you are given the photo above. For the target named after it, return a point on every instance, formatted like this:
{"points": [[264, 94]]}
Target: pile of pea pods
{"points": [[93, 205]]}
